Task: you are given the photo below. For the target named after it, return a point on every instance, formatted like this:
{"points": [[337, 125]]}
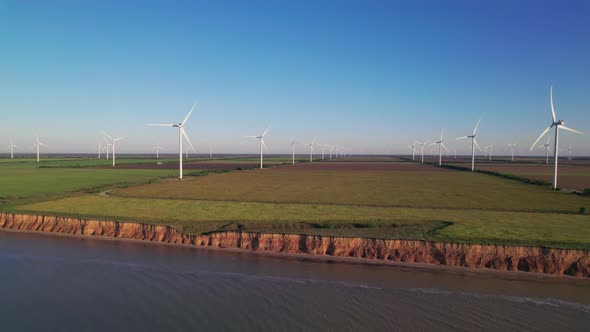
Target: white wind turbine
{"points": [[422, 145], [210, 151], [107, 146], [293, 151], [473, 145], [113, 144], [311, 145], [547, 150], [569, 152], [512, 146], [181, 136], [262, 145], [440, 147], [11, 147], [98, 150], [157, 148], [37, 144], [557, 124], [413, 148], [490, 148]]}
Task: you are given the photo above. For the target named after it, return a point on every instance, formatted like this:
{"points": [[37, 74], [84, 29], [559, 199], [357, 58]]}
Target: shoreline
{"points": [[509, 262]]}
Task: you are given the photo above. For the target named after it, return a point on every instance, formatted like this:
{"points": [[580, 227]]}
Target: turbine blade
{"points": [[441, 134], [187, 140], [266, 131], [463, 137], [107, 135], [477, 145], [251, 136], [444, 147], [161, 125], [189, 114], [264, 145], [552, 108], [476, 126], [540, 136], [570, 129]]}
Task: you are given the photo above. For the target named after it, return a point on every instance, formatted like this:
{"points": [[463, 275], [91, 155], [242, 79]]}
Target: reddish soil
{"points": [[573, 177], [363, 166]]}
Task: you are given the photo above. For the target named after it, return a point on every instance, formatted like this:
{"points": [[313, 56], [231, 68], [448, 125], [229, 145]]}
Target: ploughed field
{"points": [[572, 176], [381, 199]]}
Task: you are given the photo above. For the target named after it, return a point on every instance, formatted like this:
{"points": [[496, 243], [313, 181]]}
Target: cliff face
{"points": [[503, 258]]}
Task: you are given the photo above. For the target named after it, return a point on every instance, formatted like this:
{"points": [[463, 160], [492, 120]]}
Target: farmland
{"points": [[381, 198]]}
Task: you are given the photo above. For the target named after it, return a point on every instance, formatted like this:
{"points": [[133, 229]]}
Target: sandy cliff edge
{"points": [[570, 262]]}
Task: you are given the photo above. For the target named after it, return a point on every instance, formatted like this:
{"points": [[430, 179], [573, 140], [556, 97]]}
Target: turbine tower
{"points": [[413, 148], [181, 136], [37, 144], [422, 145], [558, 124], [440, 147], [99, 150], [292, 151], [157, 147], [473, 145], [569, 152], [547, 150], [11, 147], [311, 149], [512, 146], [490, 148], [261, 138], [113, 144]]}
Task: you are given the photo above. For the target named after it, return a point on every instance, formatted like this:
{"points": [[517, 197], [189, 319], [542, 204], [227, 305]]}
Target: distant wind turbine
{"points": [[473, 145], [11, 147], [311, 145], [37, 144], [293, 150], [99, 150], [557, 124], [413, 148], [181, 136], [262, 145], [547, 150], [512, 146], [440, 147], [113, 144], [490, 148], [569, 152], [157, 147], [422, 145]]}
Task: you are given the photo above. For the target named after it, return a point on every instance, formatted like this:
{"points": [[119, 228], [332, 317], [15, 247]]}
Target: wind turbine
{"points": [[512, 146], [181, 136], [557, 124], [37, 144], [490, 148], [440, 147], [311, 149], [473, 145], [292, 150], [422, 145], [113, 141], [11, 147], [157, 147], [99, 149], [261, 138], [210, 151], [108, 145], [569, 152], [413, 147], [547, 150]]}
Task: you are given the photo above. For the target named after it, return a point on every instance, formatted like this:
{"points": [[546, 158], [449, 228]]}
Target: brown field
{"points": [[363, 166], [572, 177], [194, 165]]}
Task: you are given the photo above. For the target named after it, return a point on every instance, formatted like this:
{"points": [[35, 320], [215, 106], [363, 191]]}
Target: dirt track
{"points": [[574, 177], [364, 166]]}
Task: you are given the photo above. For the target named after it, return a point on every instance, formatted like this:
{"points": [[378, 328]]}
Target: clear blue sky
{"points": [[371, 75]]}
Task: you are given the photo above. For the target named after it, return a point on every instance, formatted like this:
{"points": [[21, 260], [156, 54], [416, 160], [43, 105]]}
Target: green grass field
{"points": [[416, 203], [429, 189]]}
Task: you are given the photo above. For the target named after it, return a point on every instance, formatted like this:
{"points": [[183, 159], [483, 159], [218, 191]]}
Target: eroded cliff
{"points": [[503, 258]]}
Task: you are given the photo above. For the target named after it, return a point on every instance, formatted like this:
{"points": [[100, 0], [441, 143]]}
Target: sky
{"points": [[373, 76]]}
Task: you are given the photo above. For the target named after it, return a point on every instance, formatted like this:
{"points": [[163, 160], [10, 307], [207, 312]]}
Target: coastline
{"points": [[505, 261]]}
